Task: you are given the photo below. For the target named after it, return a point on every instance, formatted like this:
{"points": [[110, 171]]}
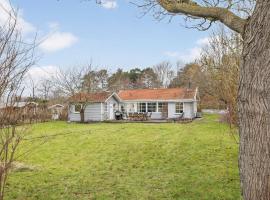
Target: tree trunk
{"points": [[254, 106], [82, 115]]}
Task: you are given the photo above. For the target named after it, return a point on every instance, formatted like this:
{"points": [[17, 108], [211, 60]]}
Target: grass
{"points": [[129, 161]]}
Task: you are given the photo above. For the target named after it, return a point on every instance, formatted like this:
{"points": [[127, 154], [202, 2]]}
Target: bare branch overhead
{"points": [[190, 8]]}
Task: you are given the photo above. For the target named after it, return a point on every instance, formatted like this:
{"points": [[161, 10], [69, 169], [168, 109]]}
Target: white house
{"points": [[161, 103]]}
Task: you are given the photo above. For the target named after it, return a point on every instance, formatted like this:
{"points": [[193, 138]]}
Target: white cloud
{"points": [[191, 54], [203, 41], [42, 72], [54, 25], [108, 4], [35, 75], [173, 54], [22, 25], [185, 56], [57, 41]]}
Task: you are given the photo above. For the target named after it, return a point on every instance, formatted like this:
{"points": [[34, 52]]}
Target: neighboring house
{"points": [[19, 111], [25, 107], [161, 103], [56, 111]]}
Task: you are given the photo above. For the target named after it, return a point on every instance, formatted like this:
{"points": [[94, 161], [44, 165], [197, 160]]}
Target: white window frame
{"points": [[163, 105], [181, 109], [77, 104]]}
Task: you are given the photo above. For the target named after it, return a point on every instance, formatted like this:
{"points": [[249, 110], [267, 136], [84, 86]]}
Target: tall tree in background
{"points": [[90, 81], [95, 80], [254, 81], [103, 76], [220, 62], [69, 81], [164, 72], [189, 76], [45, 89], [149, 79], [134, 77], [119, 81]]}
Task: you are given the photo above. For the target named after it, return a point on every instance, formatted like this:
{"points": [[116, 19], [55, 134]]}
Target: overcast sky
{"points": [[112, 35]]}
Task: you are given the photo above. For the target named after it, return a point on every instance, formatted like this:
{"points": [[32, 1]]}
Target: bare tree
{"points": [[250, 19], [16, 57], [32, 84], [164, 73], [220, 61], [69, 81], [45, 88]]}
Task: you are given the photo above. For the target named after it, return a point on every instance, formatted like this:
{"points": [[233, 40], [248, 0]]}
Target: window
{"points": [[151, 107], [161, 107], [77, 108], [141, 107], [178, 107]]}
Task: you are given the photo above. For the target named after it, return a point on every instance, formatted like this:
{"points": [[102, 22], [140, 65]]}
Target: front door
{"points": [[111, 111]]}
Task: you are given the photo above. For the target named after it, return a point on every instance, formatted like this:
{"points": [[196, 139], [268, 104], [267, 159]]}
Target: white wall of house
{"points": [[72, 115], [156, 115], [189, 109], [92, 113], [171, 110], [108, 109]]}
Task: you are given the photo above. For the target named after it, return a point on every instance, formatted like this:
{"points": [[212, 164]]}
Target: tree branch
{"points": [[223, 15]]}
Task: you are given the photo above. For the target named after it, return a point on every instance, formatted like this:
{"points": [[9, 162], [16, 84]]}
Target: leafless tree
{"points": [[16, 57], [164, 72], [69, 81], [45, 88], [32, 85], [220, 61]]}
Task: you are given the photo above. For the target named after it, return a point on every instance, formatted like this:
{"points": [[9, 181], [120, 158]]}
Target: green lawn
{"points": [[195, 161]]}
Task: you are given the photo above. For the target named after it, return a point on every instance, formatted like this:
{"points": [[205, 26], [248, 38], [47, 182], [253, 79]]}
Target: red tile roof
{"points": [[90, 97], [157, 94]]}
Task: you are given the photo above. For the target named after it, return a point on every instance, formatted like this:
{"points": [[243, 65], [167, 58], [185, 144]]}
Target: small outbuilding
{"points": [[97, 106], [56, 111]]}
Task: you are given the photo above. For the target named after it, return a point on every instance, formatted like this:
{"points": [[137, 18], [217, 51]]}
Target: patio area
{"points": [[135, 117]]}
